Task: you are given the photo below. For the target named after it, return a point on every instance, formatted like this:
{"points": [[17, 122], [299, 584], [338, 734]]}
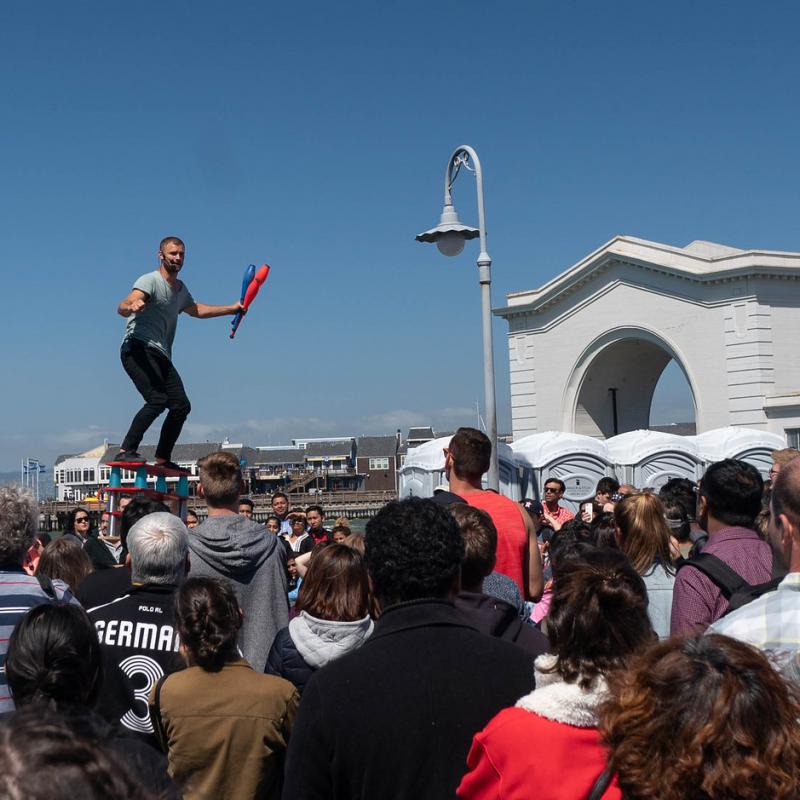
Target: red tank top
{"points": [[512, 539]]}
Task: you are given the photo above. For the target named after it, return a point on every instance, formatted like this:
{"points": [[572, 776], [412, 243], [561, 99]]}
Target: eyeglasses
{"points": [[81, 519], [551, 489]]}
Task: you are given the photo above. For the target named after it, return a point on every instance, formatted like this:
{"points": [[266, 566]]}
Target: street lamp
{"points": [[449, 236]]}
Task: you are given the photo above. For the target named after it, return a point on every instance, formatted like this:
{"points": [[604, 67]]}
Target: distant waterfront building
{"points": [[376, 461]]}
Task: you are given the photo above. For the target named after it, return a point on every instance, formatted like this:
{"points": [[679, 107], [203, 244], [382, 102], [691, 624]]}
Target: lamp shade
{"points": [[449, 232]]}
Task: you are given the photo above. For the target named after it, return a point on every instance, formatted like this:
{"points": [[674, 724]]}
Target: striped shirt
{"points": [[770, 622], [19, 593]]}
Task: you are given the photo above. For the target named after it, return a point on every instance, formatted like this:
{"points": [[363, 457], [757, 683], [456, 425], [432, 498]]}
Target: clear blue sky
{"points": [[314, 136]]}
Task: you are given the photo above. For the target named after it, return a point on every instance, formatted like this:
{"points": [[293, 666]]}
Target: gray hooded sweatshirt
{"points": [[250, 558]]}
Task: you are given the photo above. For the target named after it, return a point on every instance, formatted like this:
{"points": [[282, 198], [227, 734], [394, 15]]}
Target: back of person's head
{"points": [[705, 716], [480, 544], [138, 507], [604, 530], [335, 587], [46, 756], [413, 550], [684, 491], [644, 535], [158, 545], [355, 539], [220, 478], [598, 616], [54, 656], [19, 521], [785, 498], [471, 451], [732, 490], [676, 517], [208, 619], [572, 540], [784, 456], [65, 559]]}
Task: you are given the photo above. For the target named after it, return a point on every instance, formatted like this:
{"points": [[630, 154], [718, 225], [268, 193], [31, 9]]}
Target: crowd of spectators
{"points": [[645, 646]]}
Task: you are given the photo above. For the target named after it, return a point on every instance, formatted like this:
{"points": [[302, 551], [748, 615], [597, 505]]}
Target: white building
{"points": [[587, 349]]}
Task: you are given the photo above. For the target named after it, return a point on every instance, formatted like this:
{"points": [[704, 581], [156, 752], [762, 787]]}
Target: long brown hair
{"points": [[335, 587], [644, 534], [736, 735]]}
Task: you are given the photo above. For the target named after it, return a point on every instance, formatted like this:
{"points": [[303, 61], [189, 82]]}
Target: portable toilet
{"points": [[423, 470], [648, 459], [746, 444], [579, 461]]}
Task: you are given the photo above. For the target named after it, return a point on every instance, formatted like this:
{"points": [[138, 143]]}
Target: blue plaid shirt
{"points": [[770, 622]]}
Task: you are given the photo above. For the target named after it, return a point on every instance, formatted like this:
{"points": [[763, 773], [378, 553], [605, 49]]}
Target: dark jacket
{"points": [[495, 617], [395, 718], [285, 661]]}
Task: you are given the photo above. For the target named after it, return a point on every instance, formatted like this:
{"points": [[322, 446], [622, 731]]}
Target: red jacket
{"points": [[520, 755]]}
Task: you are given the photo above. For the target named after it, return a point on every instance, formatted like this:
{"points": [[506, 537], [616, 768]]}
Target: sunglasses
{"points": [[81, 519], [551, 490]]}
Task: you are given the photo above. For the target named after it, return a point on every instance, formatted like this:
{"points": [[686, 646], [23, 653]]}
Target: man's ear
{"points": [[200, 491], [128, 561], [702, 505]]}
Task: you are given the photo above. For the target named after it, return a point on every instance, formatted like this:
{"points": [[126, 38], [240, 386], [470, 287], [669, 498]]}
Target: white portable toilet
{"points": [[579, 461], [648, 459], [746, 444], [423, 470]]}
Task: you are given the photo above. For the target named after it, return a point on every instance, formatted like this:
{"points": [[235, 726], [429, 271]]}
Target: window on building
{"points": [[379, 463], [793, 438]]}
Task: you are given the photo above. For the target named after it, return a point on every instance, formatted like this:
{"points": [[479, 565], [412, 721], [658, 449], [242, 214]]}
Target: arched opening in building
{"points": [[628, 384]]}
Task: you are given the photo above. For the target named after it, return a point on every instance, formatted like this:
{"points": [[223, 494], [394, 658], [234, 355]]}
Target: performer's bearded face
{"points": [[171, 257]]}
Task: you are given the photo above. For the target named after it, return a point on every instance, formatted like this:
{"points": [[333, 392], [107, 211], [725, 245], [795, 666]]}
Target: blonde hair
{"points": [[644, 535]]}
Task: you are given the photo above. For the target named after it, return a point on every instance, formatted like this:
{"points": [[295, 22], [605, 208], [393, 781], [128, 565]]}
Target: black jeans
{"points": [[159, 384]]}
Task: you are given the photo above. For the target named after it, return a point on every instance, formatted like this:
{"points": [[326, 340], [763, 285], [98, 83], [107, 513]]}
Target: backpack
{"points": [[737, 591]]}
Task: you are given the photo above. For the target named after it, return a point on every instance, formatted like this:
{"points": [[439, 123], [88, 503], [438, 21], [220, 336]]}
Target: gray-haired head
{"points": [[19, 522], [158, 544]]}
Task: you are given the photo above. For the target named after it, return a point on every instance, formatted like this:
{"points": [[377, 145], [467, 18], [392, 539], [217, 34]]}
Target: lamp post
{"points": [[449, 236]]}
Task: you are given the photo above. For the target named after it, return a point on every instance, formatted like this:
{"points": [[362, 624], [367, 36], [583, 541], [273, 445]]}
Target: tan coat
{"points": [[225, 733]]}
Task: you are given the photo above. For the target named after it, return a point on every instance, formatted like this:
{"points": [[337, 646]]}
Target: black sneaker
{"points": [[130, 457], [170, 465]]}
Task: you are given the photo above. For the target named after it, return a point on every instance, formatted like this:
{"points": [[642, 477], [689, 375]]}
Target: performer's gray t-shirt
{"points": [[155, 324]]}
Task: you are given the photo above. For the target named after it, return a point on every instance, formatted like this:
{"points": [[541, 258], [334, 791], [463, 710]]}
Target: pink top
{"points": [[512, 539]]}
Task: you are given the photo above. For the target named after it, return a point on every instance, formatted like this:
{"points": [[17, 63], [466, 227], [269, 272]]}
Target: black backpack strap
{"points": [[728, 581], [47, 586], [600, 785]]}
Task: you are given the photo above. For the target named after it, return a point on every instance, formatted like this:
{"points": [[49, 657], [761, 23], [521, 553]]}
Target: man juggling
{"points": [[152, 310]]}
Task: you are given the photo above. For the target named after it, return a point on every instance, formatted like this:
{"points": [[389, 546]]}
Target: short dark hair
{"points": [[335, 587], [246, 501], [208, 620], [413, 550], [54, 654], [221, 478], [471, 451], [192, 512], [732, 489], [480, 544], [318, 509], [561, 485], [345, 529], [571, 540], [598, 617], [606, 486], [681, 490], [170, 240]]}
